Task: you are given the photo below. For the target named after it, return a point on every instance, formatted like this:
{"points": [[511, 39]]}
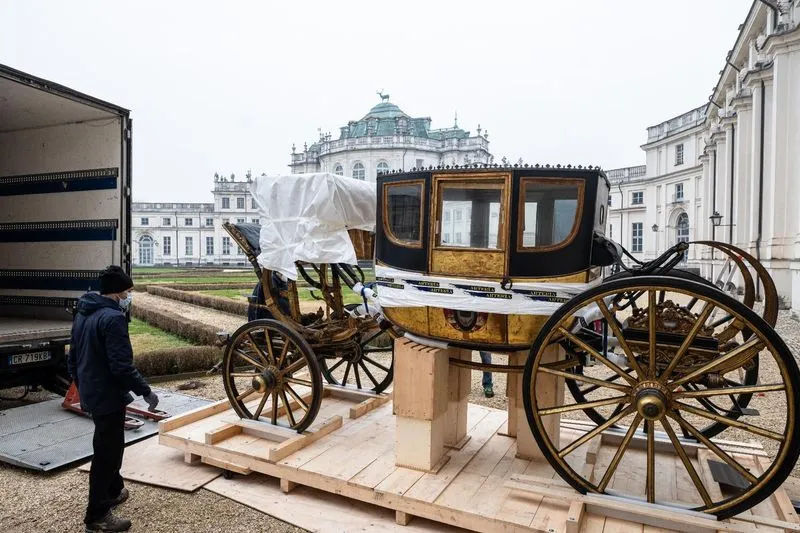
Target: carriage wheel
{"points": [[734, 404], [675, 390], [371, 367], [271, 374]]}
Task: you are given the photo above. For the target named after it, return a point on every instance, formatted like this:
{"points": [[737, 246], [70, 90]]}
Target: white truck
{"points": [[65, 190]]}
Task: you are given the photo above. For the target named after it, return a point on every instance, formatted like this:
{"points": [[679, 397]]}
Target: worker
{"points": [[488, 389], [100, 362]]}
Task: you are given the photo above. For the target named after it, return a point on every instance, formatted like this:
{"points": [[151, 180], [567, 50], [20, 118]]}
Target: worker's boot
{"points": [[109, 523], [122, 498]]}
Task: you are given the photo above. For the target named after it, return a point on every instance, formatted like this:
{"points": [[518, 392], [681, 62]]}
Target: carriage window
{"points": [[550, 212], [471, 217], [404, 213]]}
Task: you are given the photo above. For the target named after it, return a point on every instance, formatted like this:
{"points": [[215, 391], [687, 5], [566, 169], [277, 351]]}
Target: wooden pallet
{"points": [[483, 486]]}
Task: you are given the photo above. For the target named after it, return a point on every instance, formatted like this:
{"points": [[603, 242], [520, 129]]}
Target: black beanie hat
{"points": [[113, 280]]}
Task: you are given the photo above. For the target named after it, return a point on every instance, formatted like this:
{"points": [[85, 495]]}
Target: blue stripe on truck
{"points": [[59, 280], [73, 230], [79, 180]]}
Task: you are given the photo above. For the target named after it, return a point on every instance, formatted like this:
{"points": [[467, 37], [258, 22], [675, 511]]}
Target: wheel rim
{"points": [[271, 375], [670, 394]]}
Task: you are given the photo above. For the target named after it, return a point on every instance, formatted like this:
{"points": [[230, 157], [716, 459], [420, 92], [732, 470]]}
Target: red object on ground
{"points": [[72, 402]]}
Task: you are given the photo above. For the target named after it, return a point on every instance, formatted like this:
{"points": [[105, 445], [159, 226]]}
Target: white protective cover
{"points": [[305, 217]]}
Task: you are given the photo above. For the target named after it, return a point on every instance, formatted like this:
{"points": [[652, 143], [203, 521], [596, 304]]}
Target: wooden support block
{"points": [[459, 382], [226, 465], [368, 405], [549, 392], [221, 433], [191, 458], [575, 516], [593, 449], [420, 443], [420, 380], [265, 430], [401, 518], [193, 416], [350, 393], [298, 442], [287, 486]]}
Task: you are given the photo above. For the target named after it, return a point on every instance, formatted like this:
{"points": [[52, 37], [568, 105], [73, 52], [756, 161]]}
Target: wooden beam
{"points": [[368, 405], [194, 415], [575, 517], [221, 433], [265, 430], [298, 442], [402, 518], [287, 486], [232, 467], [351, 393]]}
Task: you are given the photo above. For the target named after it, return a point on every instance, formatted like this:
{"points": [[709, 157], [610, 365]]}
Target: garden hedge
{"points": [[203, 300]]}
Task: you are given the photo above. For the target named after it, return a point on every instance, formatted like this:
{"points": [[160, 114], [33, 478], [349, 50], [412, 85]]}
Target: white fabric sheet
{"points": [[398, 288], [305, 217]]}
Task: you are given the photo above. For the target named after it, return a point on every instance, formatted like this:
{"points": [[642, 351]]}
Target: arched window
{"points": [[146, 250], [358, 171], [383, 167], [682, 228], [338, 170]]}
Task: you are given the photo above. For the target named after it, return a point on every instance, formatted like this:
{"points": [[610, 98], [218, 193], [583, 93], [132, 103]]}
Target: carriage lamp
{"points": [[716, 219], [655, 228]]}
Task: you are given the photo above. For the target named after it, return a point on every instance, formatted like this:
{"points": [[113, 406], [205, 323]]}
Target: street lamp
{"points": [[716, 219], [654, 227]]}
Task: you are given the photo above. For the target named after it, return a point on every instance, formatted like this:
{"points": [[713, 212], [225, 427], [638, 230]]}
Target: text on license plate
{"points": [[25, 358]]}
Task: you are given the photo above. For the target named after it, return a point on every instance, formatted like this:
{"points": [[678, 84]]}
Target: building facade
{"points": [[191, 234], [386, 139], [739, 161]]}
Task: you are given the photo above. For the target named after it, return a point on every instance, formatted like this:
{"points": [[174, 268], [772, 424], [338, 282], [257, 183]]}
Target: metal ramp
{"points": [[44, 436]]}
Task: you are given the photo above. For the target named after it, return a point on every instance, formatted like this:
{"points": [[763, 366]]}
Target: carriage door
{"points": [[469, 236]]}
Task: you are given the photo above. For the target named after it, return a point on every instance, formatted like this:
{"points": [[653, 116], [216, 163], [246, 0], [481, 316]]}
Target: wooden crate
{"points": [[484, 486]]}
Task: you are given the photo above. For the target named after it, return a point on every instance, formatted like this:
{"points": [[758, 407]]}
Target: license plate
{"points": [[26, 358]]}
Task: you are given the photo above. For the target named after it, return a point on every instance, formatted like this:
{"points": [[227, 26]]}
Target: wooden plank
{"points": [[224, 465], [783, 505], [378, 470], [420, 380], [221, 433], [352, 394], [594, 524], [194, 415], [491, 496], [368, 405], [290, 446], [149, 462], [399, 481], [265, 430]]}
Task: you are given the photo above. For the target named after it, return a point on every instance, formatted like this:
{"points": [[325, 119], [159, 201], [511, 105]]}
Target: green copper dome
{"points": [[385, 109]]}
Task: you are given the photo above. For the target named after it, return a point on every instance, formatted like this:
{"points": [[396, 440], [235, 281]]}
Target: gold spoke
{"points": [[736, 352], [623, 446], [624, 375], [561, 365], [294, 367], [581, 406], [708, 443], [297, 398], [269, 346], [249, 359], [261, 406], [243, 374], [284, 351], [585, 379], [245, 394], [651, 457], [596, 431], [651, 319], [731, 422], [297, 381], [289, 412], [258, 348], [687, 463], [612, 323], [701, 320], [274, 416], [744, 389]]}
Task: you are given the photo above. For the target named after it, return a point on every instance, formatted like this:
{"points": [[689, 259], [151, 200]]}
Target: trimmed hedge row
{"points": [[198, 286], [203, 300], [177, 360], [190, 330]]}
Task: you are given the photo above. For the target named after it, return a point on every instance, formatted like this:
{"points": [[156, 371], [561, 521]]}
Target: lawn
{"points": [[145, 337], [234, 278]]}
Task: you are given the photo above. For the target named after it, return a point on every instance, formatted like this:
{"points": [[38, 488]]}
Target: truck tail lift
{"points": [[72, 402]]}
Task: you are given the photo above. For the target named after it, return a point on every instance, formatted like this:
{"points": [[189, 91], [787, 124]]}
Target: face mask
{"points": [[125, 303]]}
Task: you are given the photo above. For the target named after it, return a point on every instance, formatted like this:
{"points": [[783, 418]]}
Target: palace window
{"points": [[189, 248], [679, 191], [637, 198], [226, 246], [383, 167], [679, 154], [145, 221], [358, 171], [240, 203], [637, 237], [167, 245], [209, 222], [166, 221], [253, 203], [240, 220], [209, 245], [338, 170], [187, 221], [226, 202]]}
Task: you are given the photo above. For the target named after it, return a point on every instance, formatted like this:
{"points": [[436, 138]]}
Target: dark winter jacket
{"points": [[100, 357]]}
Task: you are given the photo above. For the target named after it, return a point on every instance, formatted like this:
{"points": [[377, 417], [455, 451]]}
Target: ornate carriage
{"points": [[312, 314], [509, 259]]}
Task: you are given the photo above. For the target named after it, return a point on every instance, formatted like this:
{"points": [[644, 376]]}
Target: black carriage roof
{"points": [[544, 170]]}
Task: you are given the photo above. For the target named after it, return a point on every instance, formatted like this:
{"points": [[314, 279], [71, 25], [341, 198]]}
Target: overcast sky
{"points": [[227, 86]]}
